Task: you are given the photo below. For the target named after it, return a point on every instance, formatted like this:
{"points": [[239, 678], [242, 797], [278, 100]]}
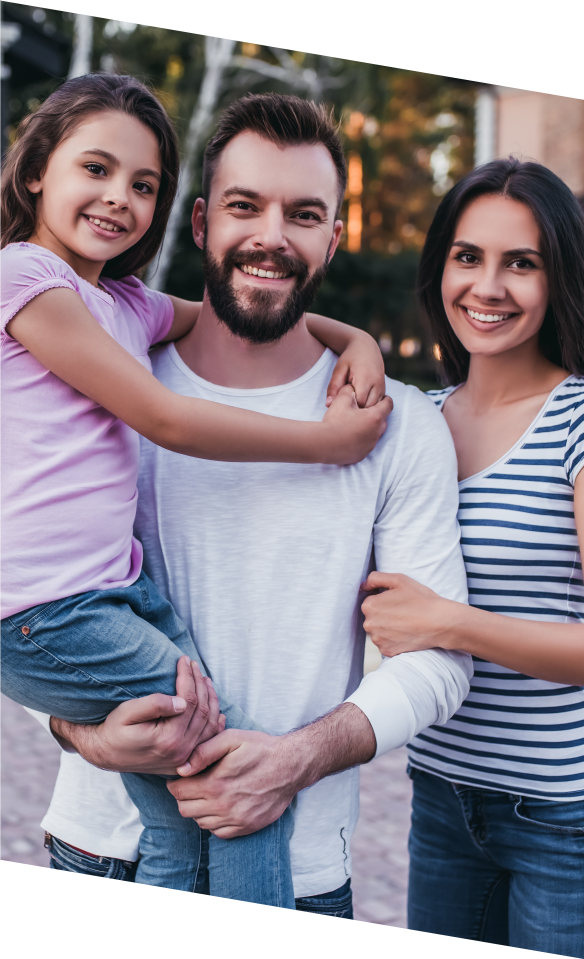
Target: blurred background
{"points": [[408, 136]]}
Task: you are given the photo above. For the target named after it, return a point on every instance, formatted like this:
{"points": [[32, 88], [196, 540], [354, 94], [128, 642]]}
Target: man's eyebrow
{"points": [[254, 195], [96, 151], [520, 251]]}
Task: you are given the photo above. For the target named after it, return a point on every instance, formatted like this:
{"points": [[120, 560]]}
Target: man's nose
{"points": [[271, 232]]}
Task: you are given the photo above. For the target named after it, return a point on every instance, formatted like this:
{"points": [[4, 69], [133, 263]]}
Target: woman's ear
{"points": [[34, 186]]}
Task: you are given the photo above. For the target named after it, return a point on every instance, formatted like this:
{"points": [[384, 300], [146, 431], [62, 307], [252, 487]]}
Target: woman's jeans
{"points": [[77, 659], [496, 867]]}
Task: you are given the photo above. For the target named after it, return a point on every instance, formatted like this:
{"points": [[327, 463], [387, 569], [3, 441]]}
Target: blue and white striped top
{"points": [[520, 548]]}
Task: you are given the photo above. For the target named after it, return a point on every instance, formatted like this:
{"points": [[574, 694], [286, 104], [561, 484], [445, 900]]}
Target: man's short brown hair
{"points": [[284, 119]]}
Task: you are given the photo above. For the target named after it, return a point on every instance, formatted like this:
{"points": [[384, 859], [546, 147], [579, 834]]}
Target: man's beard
{"points": [[266, 317]]}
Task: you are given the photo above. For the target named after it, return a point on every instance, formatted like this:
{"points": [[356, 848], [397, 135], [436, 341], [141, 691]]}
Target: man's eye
{"points": [[306, 215], [241, 205], [96, 169], [143, 187]]}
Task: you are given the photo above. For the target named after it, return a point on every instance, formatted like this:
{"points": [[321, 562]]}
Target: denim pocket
{"points": [[566, 818], [68, 859], [31, 616]]}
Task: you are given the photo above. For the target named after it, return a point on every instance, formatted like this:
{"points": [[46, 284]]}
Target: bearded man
{"points": [[263, 561]]}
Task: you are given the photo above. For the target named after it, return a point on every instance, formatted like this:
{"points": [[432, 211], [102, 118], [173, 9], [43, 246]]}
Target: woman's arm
{"points": [[408, 616], [59, 331], [360, 361]]}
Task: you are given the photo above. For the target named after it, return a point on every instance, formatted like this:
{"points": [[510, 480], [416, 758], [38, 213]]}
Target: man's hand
{"points": [[256, 776], [154, 734], [406, 616]]}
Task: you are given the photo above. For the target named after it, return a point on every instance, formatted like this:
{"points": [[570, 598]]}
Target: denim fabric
{"points": [[496, 867], [65, 857], [337, 903], [79, 657]]}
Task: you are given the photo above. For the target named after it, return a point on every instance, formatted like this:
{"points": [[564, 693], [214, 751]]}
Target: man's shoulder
{"points": [[411, 406]]}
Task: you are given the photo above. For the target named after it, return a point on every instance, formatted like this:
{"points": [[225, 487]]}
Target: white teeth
{"points": [[105, 225], [487, 317], [255, 271]]}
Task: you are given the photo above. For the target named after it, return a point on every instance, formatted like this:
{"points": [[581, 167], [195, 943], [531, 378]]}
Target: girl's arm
{"points": [[186, 314], [59, 331], [360, 361], [409, 616]]}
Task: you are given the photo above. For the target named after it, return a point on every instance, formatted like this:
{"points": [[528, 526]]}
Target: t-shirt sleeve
{"points": [[416, 532], [574, 456], [26, 272], [155, 309]]}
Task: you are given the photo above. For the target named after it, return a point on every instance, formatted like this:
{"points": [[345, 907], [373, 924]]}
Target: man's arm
{"points": [[259, 775], [416, 532], [149, 735]]}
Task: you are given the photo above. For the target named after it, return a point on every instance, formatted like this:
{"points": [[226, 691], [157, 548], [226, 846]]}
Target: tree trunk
{"points": [[82, 46], [217, 57]]}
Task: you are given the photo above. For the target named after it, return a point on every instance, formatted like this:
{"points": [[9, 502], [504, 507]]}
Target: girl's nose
{"points": [[116, 196]]}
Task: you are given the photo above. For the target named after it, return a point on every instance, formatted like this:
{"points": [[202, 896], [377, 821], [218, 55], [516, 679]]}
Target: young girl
{"points": [[88, 187], [497, 841]]}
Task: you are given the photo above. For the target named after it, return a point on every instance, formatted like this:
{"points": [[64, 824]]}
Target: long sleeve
{"points": [[417, 533]]}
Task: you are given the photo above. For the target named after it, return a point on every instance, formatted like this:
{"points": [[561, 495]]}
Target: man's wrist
{"points": [[339, 740]]}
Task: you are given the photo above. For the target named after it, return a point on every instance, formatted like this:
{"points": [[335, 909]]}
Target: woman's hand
{"points": [[361, 365], [407, 616]]}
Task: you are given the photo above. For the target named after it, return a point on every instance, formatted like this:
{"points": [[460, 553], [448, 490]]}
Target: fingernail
{"points": [[195, 664], [184, 769], [178, 704]]}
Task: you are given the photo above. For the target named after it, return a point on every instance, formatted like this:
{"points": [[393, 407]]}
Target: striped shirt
{"points": [[520, 547]]}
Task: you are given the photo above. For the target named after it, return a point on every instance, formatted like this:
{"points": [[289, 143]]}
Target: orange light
{"points": [[437, 352], [355, 189]]}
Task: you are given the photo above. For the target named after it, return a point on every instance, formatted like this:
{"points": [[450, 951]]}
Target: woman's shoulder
{"points": [[439, 397]]}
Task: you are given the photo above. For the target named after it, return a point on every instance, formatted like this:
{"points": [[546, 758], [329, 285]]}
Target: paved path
{"points": [[30, 761]]}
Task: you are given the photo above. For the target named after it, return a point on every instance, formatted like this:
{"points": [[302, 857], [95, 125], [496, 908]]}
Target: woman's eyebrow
{"points": [[96, 151], [520, 251]]}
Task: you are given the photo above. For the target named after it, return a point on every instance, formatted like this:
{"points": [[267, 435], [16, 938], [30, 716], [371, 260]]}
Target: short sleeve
{"points": [[574, 456], [153, 309], [28, 270]]}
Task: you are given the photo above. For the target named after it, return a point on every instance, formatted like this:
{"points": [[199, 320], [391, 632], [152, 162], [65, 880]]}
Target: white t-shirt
{"points": [[263, 563]]}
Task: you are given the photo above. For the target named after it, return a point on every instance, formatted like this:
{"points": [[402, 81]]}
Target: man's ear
{"points": [[198, 220], [337, 231]]}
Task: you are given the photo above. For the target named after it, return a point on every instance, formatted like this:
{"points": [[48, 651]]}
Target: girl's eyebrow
{"points": [[521, 251], [96, 151]]}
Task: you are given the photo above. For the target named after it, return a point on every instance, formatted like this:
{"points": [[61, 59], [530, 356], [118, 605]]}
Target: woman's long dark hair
{"points": [[40, 133], [561, 226]]}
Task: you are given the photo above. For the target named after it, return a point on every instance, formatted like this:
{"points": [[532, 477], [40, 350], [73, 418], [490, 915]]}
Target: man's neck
{"points": [[212, 352]]}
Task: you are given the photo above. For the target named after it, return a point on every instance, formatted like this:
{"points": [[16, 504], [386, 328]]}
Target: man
{"points": [[263, 562]]}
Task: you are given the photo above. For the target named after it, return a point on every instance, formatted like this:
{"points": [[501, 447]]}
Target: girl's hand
{"points": [[406, 616], [361, 365], [351, 433]]}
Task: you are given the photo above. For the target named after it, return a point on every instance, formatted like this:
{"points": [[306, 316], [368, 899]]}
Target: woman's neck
{"points": [[505, 378]]}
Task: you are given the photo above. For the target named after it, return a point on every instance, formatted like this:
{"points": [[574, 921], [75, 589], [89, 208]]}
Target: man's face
{"points": [[268, 233]]}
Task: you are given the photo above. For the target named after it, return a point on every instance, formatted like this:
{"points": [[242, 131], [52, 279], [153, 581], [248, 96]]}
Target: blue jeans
{"points": [[338, 903], [78, 658], [496, 867]]}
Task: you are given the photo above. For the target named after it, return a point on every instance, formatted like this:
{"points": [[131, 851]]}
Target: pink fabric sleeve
{"points": [[26, 272], [154, 309]]}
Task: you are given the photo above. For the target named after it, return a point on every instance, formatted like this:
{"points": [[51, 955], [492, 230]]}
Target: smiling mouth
{"points": [[104, 224], [268, 274], [488, 317]]}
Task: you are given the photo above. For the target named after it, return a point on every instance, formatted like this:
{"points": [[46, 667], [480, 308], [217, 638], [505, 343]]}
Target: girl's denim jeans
{"points": [[496, 867], [78, 658]]}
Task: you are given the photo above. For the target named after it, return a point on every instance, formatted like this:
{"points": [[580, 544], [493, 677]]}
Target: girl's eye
{"points": [[96, 169], [143, 187]]}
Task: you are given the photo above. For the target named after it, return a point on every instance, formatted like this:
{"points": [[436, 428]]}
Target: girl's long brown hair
{"points": [[39, 134], [561, 225]]}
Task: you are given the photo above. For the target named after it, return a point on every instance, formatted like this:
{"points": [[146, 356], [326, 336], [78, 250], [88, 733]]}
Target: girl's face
{"points": [[98, 192], [494, 286]]}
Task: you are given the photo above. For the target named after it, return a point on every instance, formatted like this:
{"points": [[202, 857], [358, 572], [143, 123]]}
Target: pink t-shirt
{"points": [[69, 467]]}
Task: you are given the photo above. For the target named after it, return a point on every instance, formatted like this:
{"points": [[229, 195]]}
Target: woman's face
{"points": [[494, 286]]}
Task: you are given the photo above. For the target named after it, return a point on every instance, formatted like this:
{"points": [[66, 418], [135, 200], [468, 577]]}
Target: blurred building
{"points": [[532, 126]]}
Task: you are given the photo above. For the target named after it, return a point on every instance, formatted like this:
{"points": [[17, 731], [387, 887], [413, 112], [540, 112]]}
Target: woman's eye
{"points": [[523, 264], [96, 169], [468, 258], [143, 187]]}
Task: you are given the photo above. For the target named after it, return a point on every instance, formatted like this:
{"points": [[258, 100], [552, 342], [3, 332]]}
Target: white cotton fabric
{"points": [[264, 561]]}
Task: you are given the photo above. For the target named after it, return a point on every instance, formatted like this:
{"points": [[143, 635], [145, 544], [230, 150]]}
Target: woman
{"points": [[497, 841]]}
